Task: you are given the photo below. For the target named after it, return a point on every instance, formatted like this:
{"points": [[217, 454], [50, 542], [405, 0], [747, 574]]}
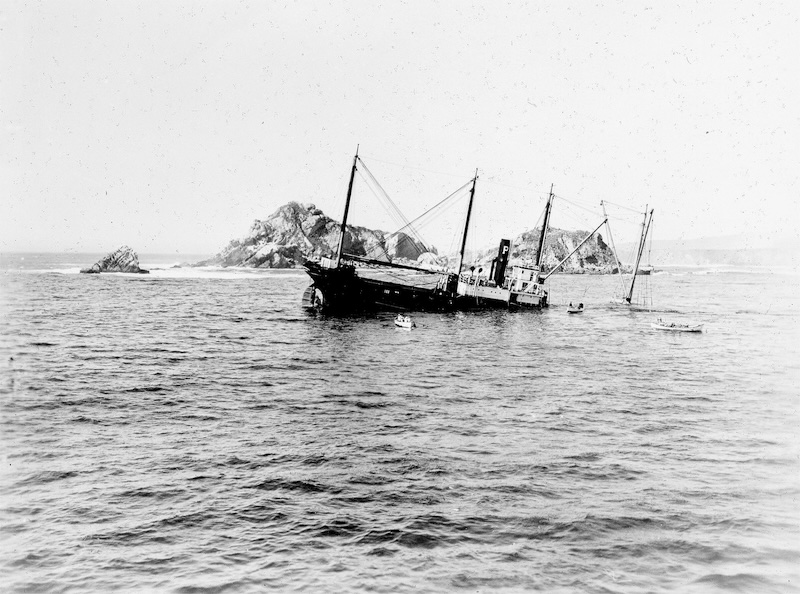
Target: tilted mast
{"points": [[340, 248], [545, 225], [642, 239], [466, 224], [613, 247], [577, 247]]}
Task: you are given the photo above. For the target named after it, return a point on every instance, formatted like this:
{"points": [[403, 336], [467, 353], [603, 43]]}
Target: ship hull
{"points": [[345, 288], [482, 296]]}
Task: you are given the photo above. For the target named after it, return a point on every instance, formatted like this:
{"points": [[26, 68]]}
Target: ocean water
{"points": [[197, 431]]}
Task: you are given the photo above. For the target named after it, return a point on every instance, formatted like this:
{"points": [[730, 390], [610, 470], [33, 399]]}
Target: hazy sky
{"points": [[170, 126]]}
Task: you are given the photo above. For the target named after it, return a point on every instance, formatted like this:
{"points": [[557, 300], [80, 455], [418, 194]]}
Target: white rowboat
{"points": [[404, 322], [675, 327]]}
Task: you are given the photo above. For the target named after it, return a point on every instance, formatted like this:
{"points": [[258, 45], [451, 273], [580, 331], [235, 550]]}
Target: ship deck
{"points": [[400, 276]]}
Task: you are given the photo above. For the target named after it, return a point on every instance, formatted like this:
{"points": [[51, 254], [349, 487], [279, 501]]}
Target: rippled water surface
{"points": [[197, 431]]}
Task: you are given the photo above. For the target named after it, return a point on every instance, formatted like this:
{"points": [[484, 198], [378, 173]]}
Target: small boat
{"points": [[402, 321], [573, 310], [676, 327]]}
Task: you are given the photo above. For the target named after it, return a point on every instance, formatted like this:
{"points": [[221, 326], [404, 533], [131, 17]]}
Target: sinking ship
{"points": [[347, 282]]}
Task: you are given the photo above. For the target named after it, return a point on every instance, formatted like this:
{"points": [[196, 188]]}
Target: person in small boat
{"points": [[570, 303], [580, 306]]}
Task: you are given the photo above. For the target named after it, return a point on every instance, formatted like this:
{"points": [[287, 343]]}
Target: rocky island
{"points": [[297, 231], [122, 260], [593, 257]]}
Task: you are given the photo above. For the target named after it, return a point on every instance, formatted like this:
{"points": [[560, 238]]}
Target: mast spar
{"points": [[577, 247], [340, 247], [613, 247], [466, 224], [543, 235], [645, 227]]}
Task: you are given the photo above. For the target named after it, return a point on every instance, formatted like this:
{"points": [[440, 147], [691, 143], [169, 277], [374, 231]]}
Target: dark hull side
{"points": [[469, 302], [342, 289]]}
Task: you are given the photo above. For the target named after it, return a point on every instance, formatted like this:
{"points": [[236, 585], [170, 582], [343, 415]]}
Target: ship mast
{"points": [[613, 247], [642, 239], [466, 224], [340, 248], [545, 225]]}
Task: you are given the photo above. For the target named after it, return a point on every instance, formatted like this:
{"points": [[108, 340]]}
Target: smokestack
{"points": [[502, 261]]}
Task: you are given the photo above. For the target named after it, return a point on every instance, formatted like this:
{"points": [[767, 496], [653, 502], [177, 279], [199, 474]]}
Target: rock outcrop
{"points": [[296, 232], [593, 257], [122, 260]]}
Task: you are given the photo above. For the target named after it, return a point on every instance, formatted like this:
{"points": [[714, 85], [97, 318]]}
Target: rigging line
{"points": [[376, 196], [627, 221], [430, 248], [570, 220], [542, 195], [443, 206], [381, 248], [630, 231], [569, 207], [532, 229], [575, 200], [513, 187], [391, 208], [460, 176], [371, 183], [578, 218], [624, 207], [439, 208], [382, 201], [394, 206], [378, 248], [442, 202], [576, 204], [431, 210], [373, 251], [397, 220]]}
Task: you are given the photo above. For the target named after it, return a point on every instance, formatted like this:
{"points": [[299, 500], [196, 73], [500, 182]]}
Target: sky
{"points": [[171, 126]]}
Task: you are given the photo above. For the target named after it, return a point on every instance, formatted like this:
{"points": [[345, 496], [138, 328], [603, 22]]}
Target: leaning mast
{"points": [[543, 235], [466, 225], [340, 248], [613, 247], [577, 247], [642, 239]]}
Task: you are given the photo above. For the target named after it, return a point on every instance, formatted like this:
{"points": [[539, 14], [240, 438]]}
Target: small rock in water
{"points": [[122, 260]]}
